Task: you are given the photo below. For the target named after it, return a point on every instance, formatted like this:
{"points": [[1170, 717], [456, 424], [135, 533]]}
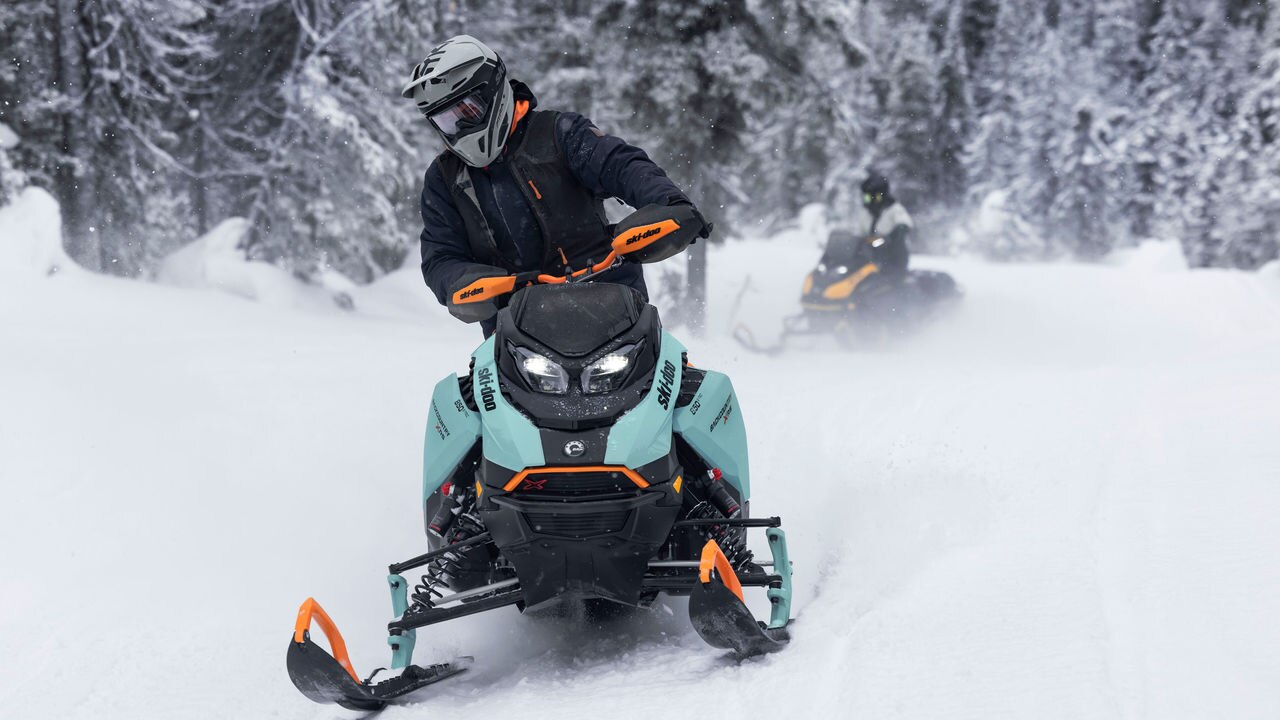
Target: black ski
{"points": [[323, 679]]}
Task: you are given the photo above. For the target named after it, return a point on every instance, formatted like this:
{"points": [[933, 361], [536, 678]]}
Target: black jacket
{"points": [[605, 164]]}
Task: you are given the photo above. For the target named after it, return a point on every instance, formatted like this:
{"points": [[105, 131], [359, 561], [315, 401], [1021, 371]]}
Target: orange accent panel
{"points": [[808, 284], [678, 483], [713, 556], [519, 477], [845, 288], [640, 237], [485, 289], [311, 610], [535, 190], [522, 108]]}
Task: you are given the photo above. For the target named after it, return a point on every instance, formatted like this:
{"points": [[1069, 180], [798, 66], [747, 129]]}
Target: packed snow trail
{"points": [[1059, 502]]}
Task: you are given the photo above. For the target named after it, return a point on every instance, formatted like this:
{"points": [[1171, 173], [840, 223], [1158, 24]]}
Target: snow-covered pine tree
{"points": [[996, 153], [684, 74], [1174, 133], [809, 136], [1080, 214], [99, 102], [17, 42], [318, 146], [952, 119], [1011, 149], [906, 151], [1250, 168]]}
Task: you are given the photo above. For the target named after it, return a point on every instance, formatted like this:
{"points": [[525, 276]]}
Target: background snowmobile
{"points": [[862, 292], [580, 459]]}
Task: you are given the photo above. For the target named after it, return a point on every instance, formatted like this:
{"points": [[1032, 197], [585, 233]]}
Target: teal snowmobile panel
{"points": [[712, 425], [510, 439], [452, 430], [643, 434]]}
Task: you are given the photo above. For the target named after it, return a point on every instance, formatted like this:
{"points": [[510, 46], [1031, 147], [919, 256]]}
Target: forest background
{"points": [[1011, 129]]}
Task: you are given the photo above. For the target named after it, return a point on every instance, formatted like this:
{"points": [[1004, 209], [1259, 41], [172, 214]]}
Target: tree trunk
{"points": [[697, 310], [199, 192], [74, 176]]}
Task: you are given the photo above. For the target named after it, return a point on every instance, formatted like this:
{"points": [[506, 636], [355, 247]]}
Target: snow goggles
{"points": [[464, 114], [867, 198]]}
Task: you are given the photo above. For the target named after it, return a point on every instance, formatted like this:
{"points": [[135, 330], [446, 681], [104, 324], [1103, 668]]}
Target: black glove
{"points": [[704, 228], [527, 278], [707, 227]]}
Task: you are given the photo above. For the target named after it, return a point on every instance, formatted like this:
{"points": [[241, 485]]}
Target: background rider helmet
{"points": [[875, 192]]}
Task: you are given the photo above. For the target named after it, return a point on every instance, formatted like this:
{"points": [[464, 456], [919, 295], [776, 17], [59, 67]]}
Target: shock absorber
{"points": [[719, 496], [458, 523], [720, 503], [440, 522]]}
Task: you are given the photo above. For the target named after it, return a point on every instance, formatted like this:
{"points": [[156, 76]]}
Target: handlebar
{"points": [[612, 260], [648, 235]]}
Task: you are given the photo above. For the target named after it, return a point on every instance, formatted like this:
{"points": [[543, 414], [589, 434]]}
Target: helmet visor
{"points": [[463, 115]]}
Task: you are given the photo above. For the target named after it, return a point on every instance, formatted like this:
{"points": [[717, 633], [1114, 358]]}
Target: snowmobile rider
{"points": [[885, 224], [518, 191]]}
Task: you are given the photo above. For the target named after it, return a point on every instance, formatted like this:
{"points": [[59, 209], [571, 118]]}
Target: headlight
{"points": [[542, 374], [822, 267], [609, 372], [842, 269]]}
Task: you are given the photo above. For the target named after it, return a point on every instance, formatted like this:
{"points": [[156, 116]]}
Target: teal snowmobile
{"points": [[581, 459]]}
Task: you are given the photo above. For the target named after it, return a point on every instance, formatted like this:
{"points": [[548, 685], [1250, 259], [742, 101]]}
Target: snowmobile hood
{"points": [[574, 320]]}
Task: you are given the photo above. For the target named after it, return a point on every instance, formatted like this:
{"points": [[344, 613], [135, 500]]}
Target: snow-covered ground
{"points": [[1061, 502]]}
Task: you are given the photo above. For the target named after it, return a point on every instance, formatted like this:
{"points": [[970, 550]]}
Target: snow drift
{"points": [[31, 234], [216, 261]]}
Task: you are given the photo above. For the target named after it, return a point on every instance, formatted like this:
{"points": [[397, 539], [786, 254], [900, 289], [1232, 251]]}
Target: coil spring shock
{"points": [[440, 570], [732, 544], [720, 504]]}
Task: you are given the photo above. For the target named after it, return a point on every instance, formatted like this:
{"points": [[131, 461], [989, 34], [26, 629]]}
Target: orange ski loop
{"points": [[311, 610], [713, 556]]}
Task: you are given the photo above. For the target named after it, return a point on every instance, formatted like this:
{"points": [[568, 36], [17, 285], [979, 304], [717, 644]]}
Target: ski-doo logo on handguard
{"points": [[641, 236], [487, 393], [470, 293], [665, 382]]}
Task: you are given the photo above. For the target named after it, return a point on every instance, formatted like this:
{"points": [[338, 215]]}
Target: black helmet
{"points": [[875, 191]]}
